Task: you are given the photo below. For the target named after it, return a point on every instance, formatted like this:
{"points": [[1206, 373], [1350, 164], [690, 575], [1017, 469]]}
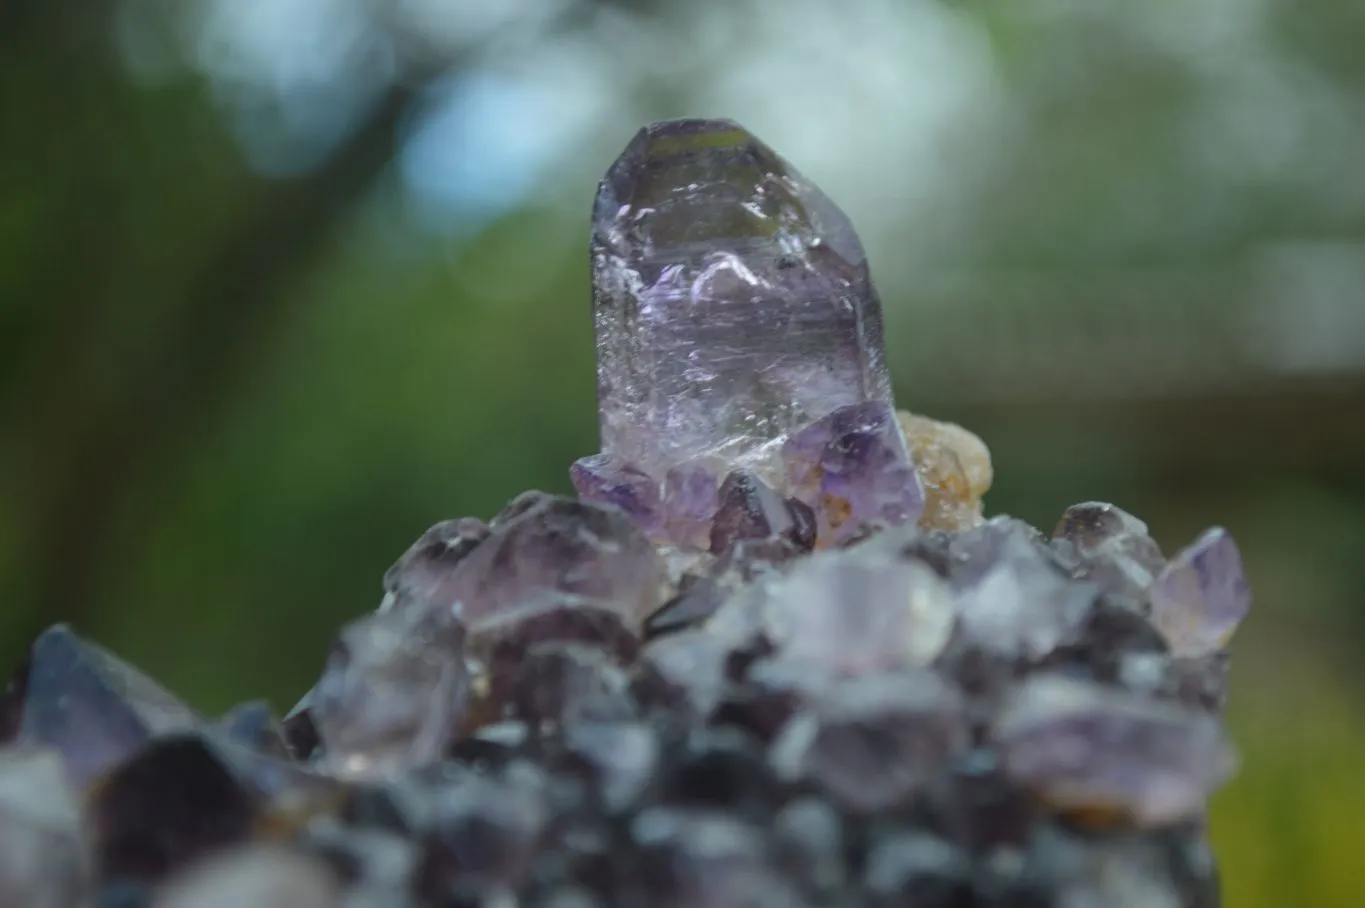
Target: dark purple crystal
{"points": [[559, 546], [853, 469], [872, 742], [749, 509]]}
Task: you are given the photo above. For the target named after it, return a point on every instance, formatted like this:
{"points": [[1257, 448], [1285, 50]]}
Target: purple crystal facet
{"points": [[750, 509], [610, 480], [853, 468], [89, 705], [732, 299], [689, 503], [1083, 746], [559, 546], [1202, 595]]}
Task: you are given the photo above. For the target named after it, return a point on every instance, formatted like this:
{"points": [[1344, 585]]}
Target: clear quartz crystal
{"points": [[732, 299]]}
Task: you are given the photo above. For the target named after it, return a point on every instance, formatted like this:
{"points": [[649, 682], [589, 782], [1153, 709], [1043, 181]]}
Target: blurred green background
{"points": [[283, 282]]}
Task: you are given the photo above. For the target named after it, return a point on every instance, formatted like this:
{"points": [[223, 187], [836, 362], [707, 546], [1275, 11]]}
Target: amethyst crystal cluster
{"points": [[773, 656]]}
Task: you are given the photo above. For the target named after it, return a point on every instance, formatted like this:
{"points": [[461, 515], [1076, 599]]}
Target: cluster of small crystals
{"points": [[985, 718], [755, 686]]}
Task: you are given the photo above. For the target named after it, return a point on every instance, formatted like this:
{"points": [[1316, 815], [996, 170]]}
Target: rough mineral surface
{"points": [[776, 658], [977, 718]]}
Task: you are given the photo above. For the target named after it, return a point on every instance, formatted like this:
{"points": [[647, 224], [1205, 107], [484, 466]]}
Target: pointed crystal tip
{"points": [[732, 299]]}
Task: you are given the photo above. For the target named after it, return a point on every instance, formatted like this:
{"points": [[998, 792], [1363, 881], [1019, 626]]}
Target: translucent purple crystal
{"points": [[853, 468], [612, 480], [394, 687], [556, 545], [748, 508], [1083, 746], [1113, 548], [1202, 595], [689, 503], [732, 299], [1014, 599], [421, 573]]}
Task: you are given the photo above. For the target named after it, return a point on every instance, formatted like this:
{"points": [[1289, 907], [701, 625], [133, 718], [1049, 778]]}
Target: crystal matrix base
{"points": [[986, 717]]}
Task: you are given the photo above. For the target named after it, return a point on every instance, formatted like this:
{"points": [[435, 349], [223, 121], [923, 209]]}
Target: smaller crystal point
{"points": [[545, 546], [611, 480], [955, 468], [1112, 546], [420, 575], [1016, 601], [1202, 595], [852, 467], [750, 509], [1091, 525], [393, 690]]}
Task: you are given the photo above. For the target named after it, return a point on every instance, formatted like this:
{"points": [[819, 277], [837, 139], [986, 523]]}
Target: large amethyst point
{"points": [[731, 298]]}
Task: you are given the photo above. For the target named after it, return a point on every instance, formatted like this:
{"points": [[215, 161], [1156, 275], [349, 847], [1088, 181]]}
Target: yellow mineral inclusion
{"points": [[955, 466]]}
